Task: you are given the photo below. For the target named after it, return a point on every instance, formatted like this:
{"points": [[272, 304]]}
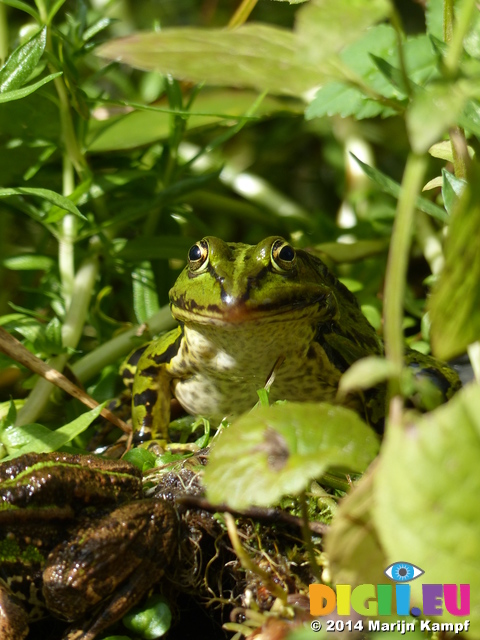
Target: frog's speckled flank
{"points": [[243, 310]]}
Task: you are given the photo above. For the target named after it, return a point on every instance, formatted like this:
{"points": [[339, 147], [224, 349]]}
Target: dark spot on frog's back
{"points": [[161, 358], [135, 357], [146, 398]]}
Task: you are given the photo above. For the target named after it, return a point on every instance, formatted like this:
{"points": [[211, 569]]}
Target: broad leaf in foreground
{"points": [[278, 450], [425, 505]]}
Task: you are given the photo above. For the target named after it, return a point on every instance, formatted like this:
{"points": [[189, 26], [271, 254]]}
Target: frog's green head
{"points": [[229, 283]]}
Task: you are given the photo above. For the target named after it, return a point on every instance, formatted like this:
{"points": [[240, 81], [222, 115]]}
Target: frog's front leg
{"points": [[151, 393]]}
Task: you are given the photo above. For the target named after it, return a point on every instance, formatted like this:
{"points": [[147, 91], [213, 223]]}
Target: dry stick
{"points": [[15, 349]]}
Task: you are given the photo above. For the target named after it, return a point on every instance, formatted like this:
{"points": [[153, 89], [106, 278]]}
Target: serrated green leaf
{"points": [[21, 62], [452, 189], [46, 194], [338, 98], [278, 450], [254, 55], [37, 438], [419, 513], [455, 300], [387, 185], [369, 58]]}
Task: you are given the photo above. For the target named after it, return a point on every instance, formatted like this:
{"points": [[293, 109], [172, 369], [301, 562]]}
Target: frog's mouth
{"points": [[321, 306]]}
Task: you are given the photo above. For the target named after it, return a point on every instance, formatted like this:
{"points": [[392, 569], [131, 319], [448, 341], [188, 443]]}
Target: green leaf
{"points": [[452, 189], [48, 195], [98, 26], [431, 112], [145, 298], [37, 438], [337, 98], [425, 501], [365, 374], [141, 458], [278, 450], [148, 123], [387, 185], [21, 63], [455, 300], [391, 73], [17, 94], [54, 9], [254, 55], [151, 620], [354, 550], [374, 60], [23, 6], [28, 262], [323, 30], [434, 18]]}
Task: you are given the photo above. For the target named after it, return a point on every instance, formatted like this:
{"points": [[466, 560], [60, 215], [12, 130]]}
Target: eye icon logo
{"points": [[403, 572]]}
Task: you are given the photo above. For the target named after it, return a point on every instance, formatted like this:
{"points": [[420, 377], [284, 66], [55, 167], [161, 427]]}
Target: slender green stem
{"points": [[397, 25], [241, 14], [71, 332], [68, 236], [3, 34], [448, 20], [456, 31], [397, 268]]}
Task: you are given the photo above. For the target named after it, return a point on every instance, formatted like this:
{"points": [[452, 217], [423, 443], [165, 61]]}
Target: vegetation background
{"points": [[320, 121]]}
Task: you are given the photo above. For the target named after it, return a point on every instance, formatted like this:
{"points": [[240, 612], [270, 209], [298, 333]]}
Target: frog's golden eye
{"points": [[198, 256], [284, 257]]}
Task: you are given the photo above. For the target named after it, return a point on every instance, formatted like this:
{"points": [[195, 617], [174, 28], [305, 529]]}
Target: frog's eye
{"points": [[198, 256], [284, 257]]}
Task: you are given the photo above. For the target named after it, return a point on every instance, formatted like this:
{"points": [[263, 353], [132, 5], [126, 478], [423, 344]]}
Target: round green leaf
{"points": [[152, 620], [278, 450]]}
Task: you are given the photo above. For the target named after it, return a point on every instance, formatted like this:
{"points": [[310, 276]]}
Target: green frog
{"points": [[77, 541], [252, 314]]}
